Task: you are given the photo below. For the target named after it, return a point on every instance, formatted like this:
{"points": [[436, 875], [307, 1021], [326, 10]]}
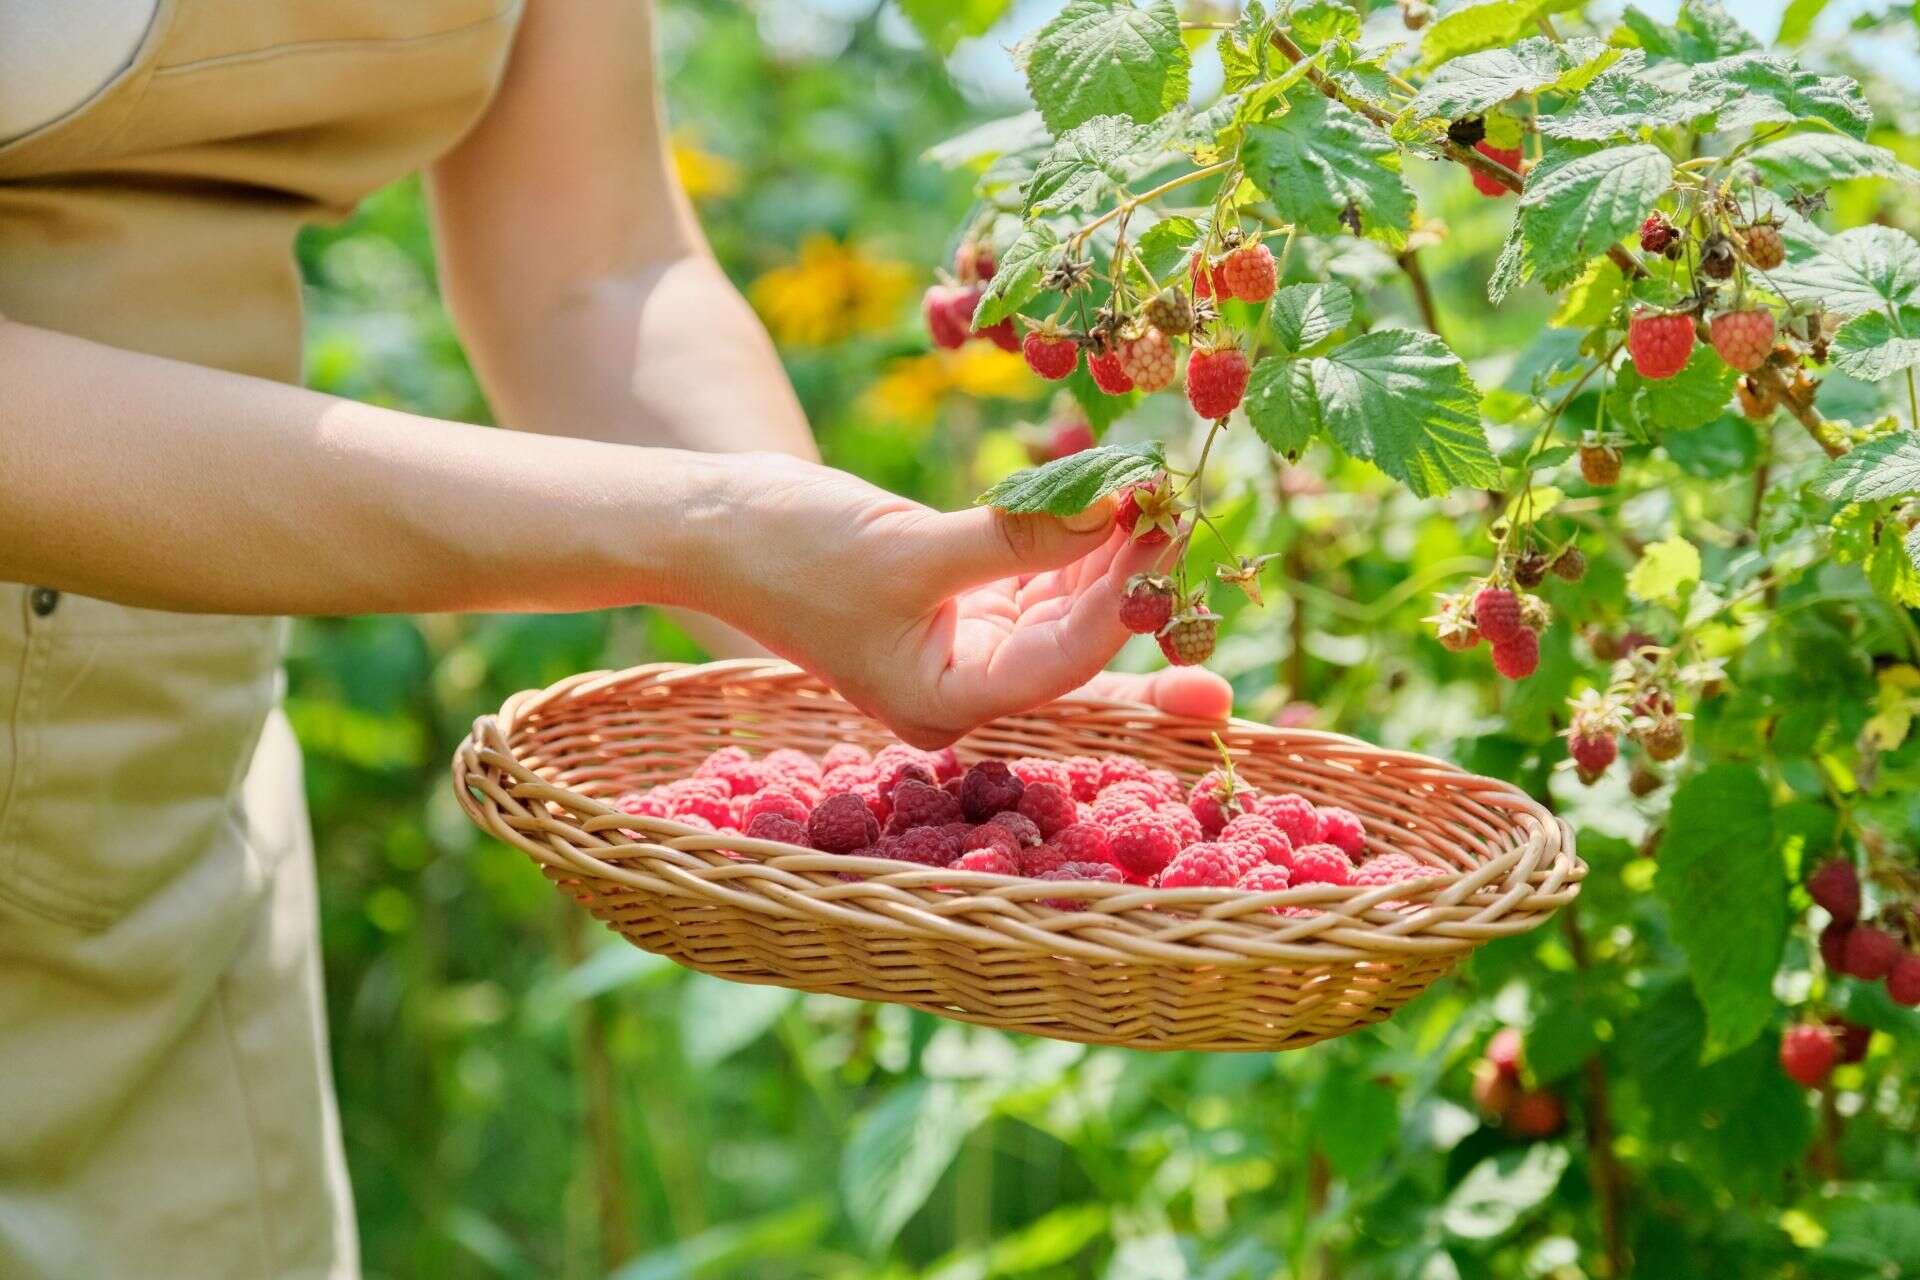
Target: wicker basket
{"points": [[1149, 968]]}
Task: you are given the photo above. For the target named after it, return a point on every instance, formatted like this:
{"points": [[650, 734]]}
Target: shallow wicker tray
{"points": [[1148, 968]]}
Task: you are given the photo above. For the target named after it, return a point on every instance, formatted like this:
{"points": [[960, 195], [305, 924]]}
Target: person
{"points": [[168, 493]]}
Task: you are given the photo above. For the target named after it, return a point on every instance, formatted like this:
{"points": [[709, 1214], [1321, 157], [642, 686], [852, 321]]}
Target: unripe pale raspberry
{"points": [[775, 827], [996, 862], [1807, 1054], [1260, 832], [1903, 980], [1496, 611], [1599, 465], [1665, 739], [1142, 845], [989, 787], [1508, 156], [1744, 339], [1149, 360], [1108, 373], [1659, 343], [1052, 356], [1321, 864], [842, 824], [1764, 247], [1049, 808], [1249, 274], [1169, 312], [1023, 828], [1519, 657], [1871, 952], [1082, 842], [1147, 605], [1343, 829], [1189, 638], [1202, 866], [1216, 380], [1295, 815]]}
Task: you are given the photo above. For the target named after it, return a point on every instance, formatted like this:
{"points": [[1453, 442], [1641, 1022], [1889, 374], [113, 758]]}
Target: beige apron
{"points": [[165, 1104]]}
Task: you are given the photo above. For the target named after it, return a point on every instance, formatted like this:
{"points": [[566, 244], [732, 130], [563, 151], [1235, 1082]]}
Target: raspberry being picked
{"points": [[1744, 339], [1050, 353], [1148, 603], [1148, 512], [1149, 360], [1217, 377], [1189, 639], [1659, 342], [1249, 273]]}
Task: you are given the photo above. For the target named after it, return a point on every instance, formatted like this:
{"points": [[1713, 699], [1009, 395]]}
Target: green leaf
{"points": [[1166, 243], [1881, 1239], [1593, 298], [985, 143], [1511, 269], [945, 23], [897, 1153], [1470, 85], [1501, 1190], [1479, 26], [1702, 33], [1617, 104], [1105, 57], [1084, 165], [1017, 281], [1766, 88], [1077, 481], [1875, 346], [1322, 22], [1579, 203], [1665, 572], [1861, 269], [1726, 898], [1691, 398], [1727, 446], [1819, 159], [1281, 406], [1319, 158], [1885, 468], [718, 1019], [1102, 410], [1403, 401], [1355, 1122], [1796, 24], [1305, 314]]}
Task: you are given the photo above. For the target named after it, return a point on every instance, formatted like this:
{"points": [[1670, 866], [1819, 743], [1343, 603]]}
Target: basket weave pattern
{"points": [[1150, 968]]}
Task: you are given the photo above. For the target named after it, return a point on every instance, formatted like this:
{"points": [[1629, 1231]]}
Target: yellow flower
{"points": [[984, 370], [703, 175], [912, 388], [833, 292]]}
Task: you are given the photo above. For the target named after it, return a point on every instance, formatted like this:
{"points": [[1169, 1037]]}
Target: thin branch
{"points": [[1774, 385], [1422, 292], [1134, 202]]}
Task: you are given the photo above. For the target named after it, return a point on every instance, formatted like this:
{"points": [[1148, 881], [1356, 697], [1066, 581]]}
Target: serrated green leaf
{"points": [[945, 23], [1403, 401], [1797, 22], [1075, 482], [1305, 314], [1319, 158], [1821, 159], [1726, 897], [1165, 244], [1017, 281], [1106, 57], [1691, 398], [1861, 269], [1470, 85], [1511, 269], [1478, 26], [1875, 345], [1863, 535], [1885, 468], [1701, 33], [1580, 202], [1769, 88], [1322, 22], [1084, 165], [985, 143], [1617, 104], [1281, 406], [1665, 573]]}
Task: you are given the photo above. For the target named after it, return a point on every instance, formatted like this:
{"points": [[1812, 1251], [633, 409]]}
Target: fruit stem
{"points": [[1133, 202], [1776, 386]]}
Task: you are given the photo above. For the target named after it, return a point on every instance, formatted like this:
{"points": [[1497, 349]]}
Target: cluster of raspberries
{"points": [[1113, 819]]}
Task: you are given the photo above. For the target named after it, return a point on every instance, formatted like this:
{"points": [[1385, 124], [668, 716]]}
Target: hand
{"points": [[932, 622], [1193, 692]]}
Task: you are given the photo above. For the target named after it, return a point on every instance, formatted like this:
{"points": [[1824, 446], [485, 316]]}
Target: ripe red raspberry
{"points": [[1000, 335], [990, 835], [921, 804], [1117, 769], [1203, 866], [1535, 1114], [705, 798], [1249, 274], [1871, 953], [1343, 829], [1656, 233], [1041, 859], [901, 774], [1391, 868], [1147, 513], [1217, 798], [1024, 829], [1504, 1051], [1049, 808], [1190, 637], [1178, 816], [948, 309], [928, 846], [1108, 373], [843, 754], [1833, 946], [1141, 844], [1262, 834], [1171, 788], [994, 862], [890, 757], [742, 774], [778, 828], [1064, 439], [1295, 815], [1148, 604], [1095, 872], [1519, 657], [776, 800], [1083, 773], [1209, 281], [1110, 810], [1764, 247], [945, 762], [1082, 842], [1051, 355], [1321, 864], [1496, 611], [1493, 1092], [878, 805], [1851, 1037], [1744, 339], [1508, 156], [989, 788], [1807, 1054], [1216, 380], [653, 803], [1599, 465], [842, 824], [1148, 360], [787, 764], [1266, 878], [1659, 343], [1592, 753], [1903, 980], [973, 261], [1035, 769]]}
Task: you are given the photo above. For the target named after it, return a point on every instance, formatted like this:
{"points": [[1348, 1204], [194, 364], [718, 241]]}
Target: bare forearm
{"points": [[165, 485]]}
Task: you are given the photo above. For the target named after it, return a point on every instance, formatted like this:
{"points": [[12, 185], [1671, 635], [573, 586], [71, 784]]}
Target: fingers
{"points": [[965, 548], [1193, 692]]}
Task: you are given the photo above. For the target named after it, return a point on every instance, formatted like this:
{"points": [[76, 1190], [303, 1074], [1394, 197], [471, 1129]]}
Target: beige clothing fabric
{"points": [[165, 1102]]}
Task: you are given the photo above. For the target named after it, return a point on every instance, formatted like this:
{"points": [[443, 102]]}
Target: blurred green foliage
{"points": [[524, 1096]]}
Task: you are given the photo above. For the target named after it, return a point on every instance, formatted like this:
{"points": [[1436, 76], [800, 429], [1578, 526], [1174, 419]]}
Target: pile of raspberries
{"points": [[1112, 819]]}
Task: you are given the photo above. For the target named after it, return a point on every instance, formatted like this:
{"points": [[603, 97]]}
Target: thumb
{"points": [[984, 543]]}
